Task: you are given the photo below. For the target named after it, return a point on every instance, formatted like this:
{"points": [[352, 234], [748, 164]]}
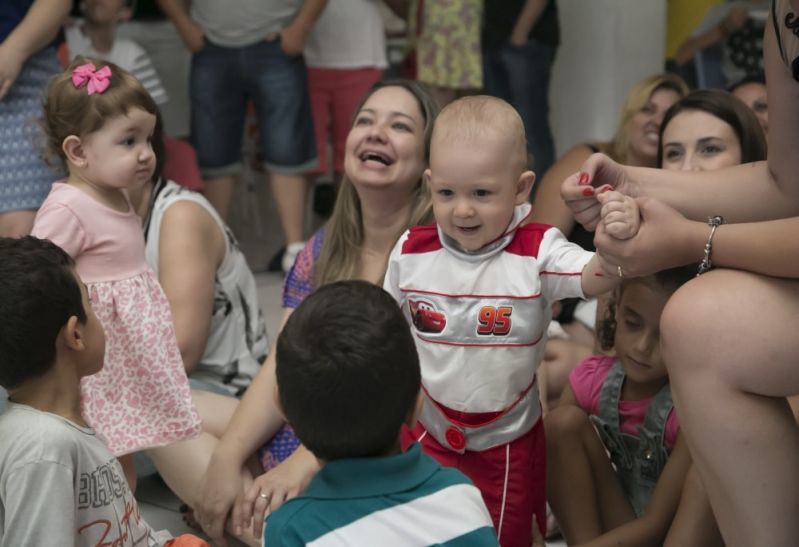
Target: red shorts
{"points": [[511, 477], [335, 93]]}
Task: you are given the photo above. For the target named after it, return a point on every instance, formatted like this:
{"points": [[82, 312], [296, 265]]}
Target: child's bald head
{"points": [[479, 118]]}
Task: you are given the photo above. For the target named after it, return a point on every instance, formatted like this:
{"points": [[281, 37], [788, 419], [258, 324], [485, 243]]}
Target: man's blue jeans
{"points": [[520, 75]]}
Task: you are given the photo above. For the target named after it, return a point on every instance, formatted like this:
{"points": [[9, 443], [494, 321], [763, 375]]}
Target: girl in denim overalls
{"points": [[616, 461]]}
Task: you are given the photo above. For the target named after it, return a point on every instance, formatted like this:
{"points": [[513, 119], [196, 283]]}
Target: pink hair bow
{"points": [[98, 80]]}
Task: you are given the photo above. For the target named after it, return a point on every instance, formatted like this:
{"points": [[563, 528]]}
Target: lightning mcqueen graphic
{"points": [[425, 317]]}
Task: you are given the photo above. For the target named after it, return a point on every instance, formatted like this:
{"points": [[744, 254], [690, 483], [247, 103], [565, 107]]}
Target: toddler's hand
{"points": [[620, 215]]}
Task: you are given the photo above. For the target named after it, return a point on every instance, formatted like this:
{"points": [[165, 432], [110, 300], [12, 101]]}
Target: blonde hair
{"points": [[340, 255], [70, 110], [637, 98], [474, 118]]}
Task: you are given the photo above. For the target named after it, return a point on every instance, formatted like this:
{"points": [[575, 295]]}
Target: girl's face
{"points": [[385, 146], [753, 95], [645, 125], [120, 154], [637, 339], [697, 141]]}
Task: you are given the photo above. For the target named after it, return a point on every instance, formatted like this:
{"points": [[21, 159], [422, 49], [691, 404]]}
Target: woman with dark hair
{"points": [[707, 130], [728, 337]]}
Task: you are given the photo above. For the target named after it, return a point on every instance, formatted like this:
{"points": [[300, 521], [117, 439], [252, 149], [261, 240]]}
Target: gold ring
{"points": [[621, 273], [264, 496]]}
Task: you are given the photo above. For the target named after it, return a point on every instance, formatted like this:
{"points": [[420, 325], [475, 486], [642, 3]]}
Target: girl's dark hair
{"points": [[666, 281], [726, 107]]}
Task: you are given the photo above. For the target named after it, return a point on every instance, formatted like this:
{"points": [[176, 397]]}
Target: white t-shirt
{"points": [[125, 53], [60, 485], [237, 342], [348, 34]]}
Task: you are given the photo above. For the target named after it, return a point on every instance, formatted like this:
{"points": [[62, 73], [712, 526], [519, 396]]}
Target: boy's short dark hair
{"points": [[38, 294], [347, 371]]}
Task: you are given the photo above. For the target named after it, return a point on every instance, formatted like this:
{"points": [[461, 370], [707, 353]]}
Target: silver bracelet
{"points": [[706, 264]]}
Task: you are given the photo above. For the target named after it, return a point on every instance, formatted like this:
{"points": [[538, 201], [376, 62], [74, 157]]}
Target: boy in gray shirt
{"points": [[59, 483]]}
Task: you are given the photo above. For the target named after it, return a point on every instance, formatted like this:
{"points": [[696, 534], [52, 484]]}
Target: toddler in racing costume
{"points": [[478, 288]]}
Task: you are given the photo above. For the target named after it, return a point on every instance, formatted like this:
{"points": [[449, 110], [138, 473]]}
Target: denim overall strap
{"points": [[640, 459], [606, 420]]}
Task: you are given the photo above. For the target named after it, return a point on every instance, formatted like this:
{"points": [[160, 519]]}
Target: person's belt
{"points": [[511, 423]]}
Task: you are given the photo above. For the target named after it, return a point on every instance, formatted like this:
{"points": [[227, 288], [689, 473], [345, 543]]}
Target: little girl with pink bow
{"points": [[99, 120]]}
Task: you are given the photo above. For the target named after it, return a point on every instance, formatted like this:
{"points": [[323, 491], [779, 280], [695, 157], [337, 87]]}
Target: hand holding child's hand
{"points": [[579, 191], [619, 214], [220, 488], [272, 489]]}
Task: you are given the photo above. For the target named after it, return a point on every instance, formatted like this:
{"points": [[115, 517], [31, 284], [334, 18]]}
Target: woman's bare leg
{"points": [[183, 464], [694, 524], [583, 490], [730, 344]]}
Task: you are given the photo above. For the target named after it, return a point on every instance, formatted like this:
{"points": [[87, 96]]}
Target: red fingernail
{"points": [[588, 191], [598, 274], [583, 179]]}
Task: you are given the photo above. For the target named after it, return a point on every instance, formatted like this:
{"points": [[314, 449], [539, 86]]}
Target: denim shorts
{"points": [[223, 79]]}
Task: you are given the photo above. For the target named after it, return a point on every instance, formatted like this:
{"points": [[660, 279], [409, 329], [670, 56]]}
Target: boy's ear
{"points": [[415, 411], [524, 186], [73, 150], [72, 335]]}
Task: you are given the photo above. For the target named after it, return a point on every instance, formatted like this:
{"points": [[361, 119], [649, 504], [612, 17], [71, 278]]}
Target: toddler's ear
{"points": [[73, 150], [524, 186], [426, 176]]}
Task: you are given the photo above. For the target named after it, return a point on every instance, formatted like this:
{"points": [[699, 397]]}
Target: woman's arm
{"points": [[548, 207], [650, 528], [36, 30], [256, 419], [190, 249], [667, 239], [745, 193]]}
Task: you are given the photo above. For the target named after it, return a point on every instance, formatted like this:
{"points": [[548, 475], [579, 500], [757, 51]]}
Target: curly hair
{"points": [[666, 281]]}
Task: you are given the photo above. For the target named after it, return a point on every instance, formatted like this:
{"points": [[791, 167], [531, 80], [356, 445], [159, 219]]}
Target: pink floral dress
{"points": [[141, 397]]}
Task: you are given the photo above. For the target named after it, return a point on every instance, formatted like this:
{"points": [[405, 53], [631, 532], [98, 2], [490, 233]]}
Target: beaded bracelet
{"points": [[706, 264]]}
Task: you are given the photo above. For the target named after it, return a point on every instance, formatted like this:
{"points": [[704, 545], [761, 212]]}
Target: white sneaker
{"points": [[292, 250]]}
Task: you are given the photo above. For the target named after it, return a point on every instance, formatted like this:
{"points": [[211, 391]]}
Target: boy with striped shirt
{"points": [[348, 379]]}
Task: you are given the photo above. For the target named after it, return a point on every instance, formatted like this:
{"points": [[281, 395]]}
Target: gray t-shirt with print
{"points": [[60, 485]]}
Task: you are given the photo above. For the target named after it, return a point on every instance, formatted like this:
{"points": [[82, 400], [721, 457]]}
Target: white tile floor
{"points": [[255, 223]]}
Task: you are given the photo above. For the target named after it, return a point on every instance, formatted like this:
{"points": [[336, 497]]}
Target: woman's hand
{"points": [[275, 487], [666, 239], [221, 489], [597, 173], [11, 62]]}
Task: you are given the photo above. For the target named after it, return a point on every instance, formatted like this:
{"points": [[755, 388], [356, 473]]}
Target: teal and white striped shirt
{"points": [[404, 500]]}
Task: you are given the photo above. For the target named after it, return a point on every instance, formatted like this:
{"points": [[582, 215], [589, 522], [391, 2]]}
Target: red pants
{"points": [[511, 477]]}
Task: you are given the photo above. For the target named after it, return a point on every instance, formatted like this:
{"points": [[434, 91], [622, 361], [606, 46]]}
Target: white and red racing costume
{"points": [[480, 320]]}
